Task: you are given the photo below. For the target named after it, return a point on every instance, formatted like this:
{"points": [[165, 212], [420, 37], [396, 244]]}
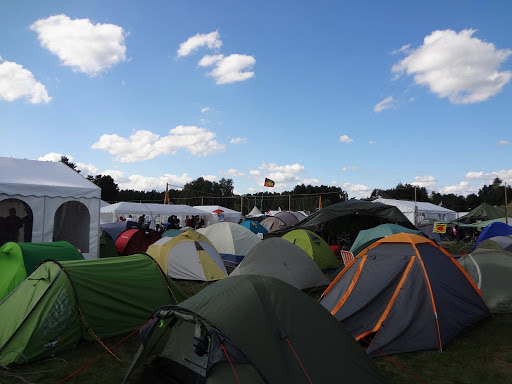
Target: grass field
{"points": [[482, 355]]}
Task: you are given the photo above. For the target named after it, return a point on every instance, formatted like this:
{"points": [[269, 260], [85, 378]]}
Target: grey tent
{"points": [[280, 220], [283, 260], [491, 270], [404, 294], [249, 329], [497, 242]]}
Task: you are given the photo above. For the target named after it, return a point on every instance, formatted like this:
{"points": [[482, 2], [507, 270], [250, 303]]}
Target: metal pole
{"points": [[415, 209], [506, 210], [289, 202]]}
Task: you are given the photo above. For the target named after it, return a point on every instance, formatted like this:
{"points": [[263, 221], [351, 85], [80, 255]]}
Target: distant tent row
{"points": [[129, 237], [422, 210], [61, 303]]}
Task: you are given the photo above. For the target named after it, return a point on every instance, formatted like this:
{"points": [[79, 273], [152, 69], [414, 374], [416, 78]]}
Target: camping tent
{"points": [[315, 247], [172, 232], [250, 329], [254, 226], [156, 214], [278, 258], [231, 240], [483, 212], [343, 221], [107, 246], [427, 226], [18, 260], [497, 242], [255, 212], [61, 303], [492, 230], [405, 293], [188, 256], [136, 240], [114, 230], [491, 270], [281, 220], [54, 202], [219, 214], [369, 236], [425, 210]]}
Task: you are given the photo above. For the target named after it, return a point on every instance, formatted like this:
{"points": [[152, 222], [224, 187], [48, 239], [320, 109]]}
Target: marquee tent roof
{"points": [[425, 210]]}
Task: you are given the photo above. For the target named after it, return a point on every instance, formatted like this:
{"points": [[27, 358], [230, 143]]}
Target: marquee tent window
{"points": [[16, 221], [71, 223]]}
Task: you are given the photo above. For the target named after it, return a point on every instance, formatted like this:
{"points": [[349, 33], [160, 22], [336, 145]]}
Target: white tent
{"points": [[230, 238], [155, 213], [255, 212], [53, 202], [215, 217], [425, 210]]}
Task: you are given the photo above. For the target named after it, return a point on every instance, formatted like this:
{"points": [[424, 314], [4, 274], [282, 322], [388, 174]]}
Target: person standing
{"points": [[13, 224]]}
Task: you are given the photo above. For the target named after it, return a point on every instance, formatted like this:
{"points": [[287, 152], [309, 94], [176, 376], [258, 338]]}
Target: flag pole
{"points": [[506, 210]]}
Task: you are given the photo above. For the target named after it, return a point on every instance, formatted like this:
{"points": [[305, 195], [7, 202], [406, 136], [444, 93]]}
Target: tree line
{"points": [[300, 198]]}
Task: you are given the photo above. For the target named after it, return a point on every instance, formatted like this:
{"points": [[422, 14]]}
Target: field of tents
{"points": [[354, 292]]}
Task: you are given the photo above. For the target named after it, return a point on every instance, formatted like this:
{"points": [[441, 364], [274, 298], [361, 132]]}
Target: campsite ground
{"points": [[482, 355]]}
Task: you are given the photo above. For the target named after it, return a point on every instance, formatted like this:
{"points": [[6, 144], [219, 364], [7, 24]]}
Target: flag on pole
{"points": [[269, 183], [166, 196]]}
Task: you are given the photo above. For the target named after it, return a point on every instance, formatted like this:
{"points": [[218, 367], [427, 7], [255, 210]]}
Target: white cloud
{"points": [[503, 142], [346, 139], [232, 68], [205, 109], [210, 40], [429, 182], [312, 181], [352, 168], [80, 44], [238, 140], [403, 48], [146, 145], [254, 172], [118, 176], [387, 103], [371, 142], [463, 188], [208, 60], [281, 174], [54, 156], [17, 82], [85, 169], [211, 178], [357, 190], [457, 65], [233, 172], [144, 183], [504, 174]]}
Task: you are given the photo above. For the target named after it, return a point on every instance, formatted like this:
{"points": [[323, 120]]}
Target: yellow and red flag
{"points": [[269, 183], [440, 228]]}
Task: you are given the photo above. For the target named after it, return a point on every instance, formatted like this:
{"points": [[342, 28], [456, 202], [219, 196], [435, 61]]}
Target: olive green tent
{"points": [[250, 329], [315, 246], [107, 247], [18, 260], [491, 270], [61, 303], [483, 212]]}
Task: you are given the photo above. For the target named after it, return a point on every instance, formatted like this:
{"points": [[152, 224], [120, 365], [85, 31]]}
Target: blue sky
{"points": [[360, 95]]}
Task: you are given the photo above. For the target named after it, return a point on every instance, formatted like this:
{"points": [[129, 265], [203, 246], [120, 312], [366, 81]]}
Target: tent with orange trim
{"points": [[404, 293]]}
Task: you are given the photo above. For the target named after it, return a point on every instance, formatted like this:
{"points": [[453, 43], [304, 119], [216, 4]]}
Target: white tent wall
{"points": [[425, 210], [229, 215], [155, 213], [51, 188]]}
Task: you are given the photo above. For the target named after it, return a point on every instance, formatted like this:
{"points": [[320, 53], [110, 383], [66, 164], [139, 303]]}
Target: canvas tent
{"points": [[231, 240], [18, 260], [343, 221], [218, 213], [497, 242], [492, 230], [483, 212], [425, 210], [62, 303], [188, 256], [491, 270], [54, 202], [367, 237], [250, 329], [282, 260], [255, 212], [315, 247], [156, 214], [406, 294], [281, 220]]}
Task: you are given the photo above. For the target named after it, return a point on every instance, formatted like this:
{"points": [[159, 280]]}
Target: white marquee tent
{"points": [[425, 210], [155, 213], [53, 202], [216, 216]]}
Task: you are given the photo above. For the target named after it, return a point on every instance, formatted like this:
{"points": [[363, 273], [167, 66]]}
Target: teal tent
{"points": [[369, 236]]}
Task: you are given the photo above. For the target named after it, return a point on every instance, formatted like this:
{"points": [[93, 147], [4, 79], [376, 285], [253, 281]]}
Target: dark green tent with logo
{"points": [[250, 329], [62, 303], [18, 260]]}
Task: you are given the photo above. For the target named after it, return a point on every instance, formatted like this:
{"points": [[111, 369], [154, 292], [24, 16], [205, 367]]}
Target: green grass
{"points": [[483, 355]]}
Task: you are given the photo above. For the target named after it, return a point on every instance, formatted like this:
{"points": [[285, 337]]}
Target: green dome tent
{"points": [[315, 246], [250, 329], [18, 260], [369, 236], [491, 270], [60, 302], [497, 242]]}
